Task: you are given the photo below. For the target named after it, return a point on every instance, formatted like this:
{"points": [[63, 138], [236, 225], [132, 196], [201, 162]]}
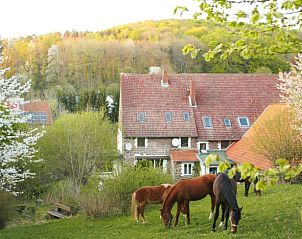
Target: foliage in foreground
{"points": [[274, 215]]}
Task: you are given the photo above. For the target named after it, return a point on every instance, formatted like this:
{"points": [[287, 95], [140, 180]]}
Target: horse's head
{"points": [[235, 218], [166, 217]]}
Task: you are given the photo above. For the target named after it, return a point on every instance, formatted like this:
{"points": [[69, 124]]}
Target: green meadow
{"points": [[276, 214]]}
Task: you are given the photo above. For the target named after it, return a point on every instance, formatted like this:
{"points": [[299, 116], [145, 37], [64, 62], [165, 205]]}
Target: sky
{"points": [[27, 17]]}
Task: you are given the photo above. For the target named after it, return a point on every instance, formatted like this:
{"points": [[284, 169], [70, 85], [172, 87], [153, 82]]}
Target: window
{"points": [[213, 170], [141, 117], [224, 144], [207, 122], [227, 122], [203, 146], [244, 121], [184, 142], [36, 117], [186, 116], [141, 142], [187, 168], [168, 116]]}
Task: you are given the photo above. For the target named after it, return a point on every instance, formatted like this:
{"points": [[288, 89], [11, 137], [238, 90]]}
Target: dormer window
{"points": [[227, 122], [186, 116], [243, 121], [207, 122], [168, 116], [141, 117]]}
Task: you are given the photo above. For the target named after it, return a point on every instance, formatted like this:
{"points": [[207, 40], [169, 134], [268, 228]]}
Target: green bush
{"points": [[112, 196], [63, 192], [6, 203]]}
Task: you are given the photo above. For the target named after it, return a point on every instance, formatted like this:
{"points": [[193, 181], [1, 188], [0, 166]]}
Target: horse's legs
{"points": [[187, 206], [216, 215], [227, 215], [138, 211], [257, 192], [247, 185], [212, 205], [179, 205], [143, 213], [223, 208]]}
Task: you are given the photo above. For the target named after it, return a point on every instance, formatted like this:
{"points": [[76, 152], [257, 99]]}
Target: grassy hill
{"points": [[276, 214]]}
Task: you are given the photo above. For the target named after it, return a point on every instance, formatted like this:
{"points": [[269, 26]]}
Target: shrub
{"points": [[112, 196], [6, 203], [63, 192]]}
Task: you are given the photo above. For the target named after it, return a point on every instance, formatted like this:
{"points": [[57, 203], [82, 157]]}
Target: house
{"points": [[164, 117], [38, 112]]}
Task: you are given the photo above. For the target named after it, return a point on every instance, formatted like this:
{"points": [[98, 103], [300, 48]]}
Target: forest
{"points": [[76, 70]]}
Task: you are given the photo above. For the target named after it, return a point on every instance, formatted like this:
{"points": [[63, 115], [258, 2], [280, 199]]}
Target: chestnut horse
{"points": [[225, 194], [145, 195], [184, 191]]}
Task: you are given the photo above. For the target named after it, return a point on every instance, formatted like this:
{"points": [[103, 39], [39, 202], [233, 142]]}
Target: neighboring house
{"points": [[161, 116], [38, 112], [243, 151]]}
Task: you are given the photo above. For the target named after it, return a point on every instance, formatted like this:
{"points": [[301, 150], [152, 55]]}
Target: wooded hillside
{"points": [[79, 61]]}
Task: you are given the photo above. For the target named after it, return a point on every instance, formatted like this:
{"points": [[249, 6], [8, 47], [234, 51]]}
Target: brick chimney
{"points": [[165, 78], [192, 96]]}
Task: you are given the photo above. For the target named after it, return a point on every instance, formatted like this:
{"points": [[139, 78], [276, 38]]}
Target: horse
{"points": [[184, 191], [225, 194], [247, 184], [145, 195]]}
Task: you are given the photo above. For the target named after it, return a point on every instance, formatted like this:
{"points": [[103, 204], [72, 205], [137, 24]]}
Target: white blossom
{"points": [[291, 89], [16, 145]]}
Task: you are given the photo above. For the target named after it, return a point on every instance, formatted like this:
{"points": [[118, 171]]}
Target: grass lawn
{"points": [[276, 214]]}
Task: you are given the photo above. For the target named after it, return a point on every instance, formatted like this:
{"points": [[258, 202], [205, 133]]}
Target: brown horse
{"points": [[145, 195], [225, 193], [183, 192]]}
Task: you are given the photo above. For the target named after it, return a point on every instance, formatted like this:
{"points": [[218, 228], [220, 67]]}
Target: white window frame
{"points": [[203, 121], [189, 142], [136, 142], [226, 118], [203, 142], [139, 115], [184, 118], [166, 118], [183, 169], [217, 168], [243, 126]]}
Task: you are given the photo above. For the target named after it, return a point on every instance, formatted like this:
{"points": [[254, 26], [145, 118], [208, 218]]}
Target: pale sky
{"points": [[26, 17]]}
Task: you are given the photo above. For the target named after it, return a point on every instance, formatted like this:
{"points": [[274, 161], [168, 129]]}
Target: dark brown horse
{"points": [[247, 184], [145, 195], [225, 195], [183, 192]]}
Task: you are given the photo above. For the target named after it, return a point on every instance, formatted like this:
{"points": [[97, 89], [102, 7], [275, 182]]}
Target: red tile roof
{"points": [[189, 155], [38, 106], [217, 96], [242, 151]]}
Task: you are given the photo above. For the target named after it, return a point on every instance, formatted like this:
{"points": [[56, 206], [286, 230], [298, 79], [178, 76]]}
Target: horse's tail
{"points": [[134, 206]]}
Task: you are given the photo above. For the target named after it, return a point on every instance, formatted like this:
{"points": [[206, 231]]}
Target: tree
{"points": [[252, 22], [17, 142], [291, 89], [275, 137], [78, 144]]}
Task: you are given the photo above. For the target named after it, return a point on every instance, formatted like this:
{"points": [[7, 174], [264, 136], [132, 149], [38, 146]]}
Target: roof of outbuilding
{"points": [[243, 152], [217, 95], [184, 155], [38, 106]]}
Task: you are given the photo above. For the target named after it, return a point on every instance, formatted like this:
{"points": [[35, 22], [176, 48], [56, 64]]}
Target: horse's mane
{"points": [[229, 191], [168, 194]]}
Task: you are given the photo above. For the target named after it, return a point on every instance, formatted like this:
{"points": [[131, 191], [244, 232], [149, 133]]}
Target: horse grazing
{"points": [[145, 195], [184, 191], [225, 194], [247, 184]]}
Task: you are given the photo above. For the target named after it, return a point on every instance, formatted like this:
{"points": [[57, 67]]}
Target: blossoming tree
{"points": [[17, 142]]}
